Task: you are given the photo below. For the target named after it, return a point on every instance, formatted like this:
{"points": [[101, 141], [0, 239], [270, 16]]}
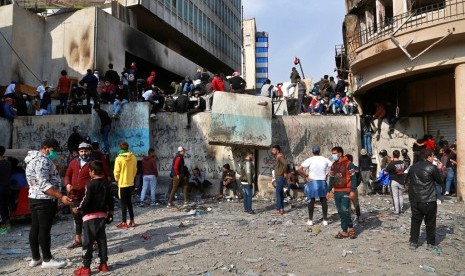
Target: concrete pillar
{"points": [[369, 19], [380, 13], [460, 125], [399, 7]]}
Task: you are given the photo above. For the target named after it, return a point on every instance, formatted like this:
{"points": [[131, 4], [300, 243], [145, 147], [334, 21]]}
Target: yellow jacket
{"points": [[125, 169]]}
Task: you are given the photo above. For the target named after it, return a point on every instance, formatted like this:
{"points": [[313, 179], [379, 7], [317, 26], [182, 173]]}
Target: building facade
{"points": [[255, 63], [410, 55], [261, 58], [174, 38], [206, 31], [249, 30]]}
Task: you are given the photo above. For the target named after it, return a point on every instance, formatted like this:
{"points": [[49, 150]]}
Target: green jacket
{"points": [[247, 177]]}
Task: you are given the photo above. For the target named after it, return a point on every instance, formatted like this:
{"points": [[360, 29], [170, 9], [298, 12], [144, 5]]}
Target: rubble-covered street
{"points": [[218, 238]]}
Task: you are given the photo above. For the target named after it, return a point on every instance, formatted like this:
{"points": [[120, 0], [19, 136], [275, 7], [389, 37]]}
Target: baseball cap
{"points": [[181, 148], [85, 146], [315, 148], [363, 152]]}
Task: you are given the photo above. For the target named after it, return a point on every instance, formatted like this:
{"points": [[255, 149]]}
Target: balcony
{"points": [[408, 21]]}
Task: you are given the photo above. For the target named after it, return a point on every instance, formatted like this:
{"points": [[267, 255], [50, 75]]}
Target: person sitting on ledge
{"points": [[121, 98]]}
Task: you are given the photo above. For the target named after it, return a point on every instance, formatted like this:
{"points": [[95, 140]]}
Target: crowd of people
{"points": [[88, 189], [118, 89], [191, 95], [327, 97]]}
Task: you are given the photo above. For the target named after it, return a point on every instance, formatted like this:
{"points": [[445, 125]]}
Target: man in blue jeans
{"points": [[314, 170], [247, 180], [105, 126], [343, 179], [280, 172]]}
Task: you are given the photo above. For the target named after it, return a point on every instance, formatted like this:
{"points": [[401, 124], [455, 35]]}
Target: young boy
{"points": [[96, 208]]}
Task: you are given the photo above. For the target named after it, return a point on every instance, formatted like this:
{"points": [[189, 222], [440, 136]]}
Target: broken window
{"points": [[422, 6]]}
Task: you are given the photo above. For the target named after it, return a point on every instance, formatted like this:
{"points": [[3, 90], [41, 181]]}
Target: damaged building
{"points": [[174, 38], [409, 53]]}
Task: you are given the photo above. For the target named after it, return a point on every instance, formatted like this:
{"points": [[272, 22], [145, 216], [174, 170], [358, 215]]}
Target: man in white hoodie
{"points": [[44, 183]]}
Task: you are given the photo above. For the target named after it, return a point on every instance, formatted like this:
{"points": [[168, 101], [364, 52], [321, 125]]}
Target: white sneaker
{"points": [[53, 264], [310, 223], [325, 222], [439, 202], [33, 263], [446, 193]]}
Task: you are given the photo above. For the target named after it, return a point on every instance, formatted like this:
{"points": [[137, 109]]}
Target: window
{"points": [[262, 39], [421, 6], [261, 60], [261, 50], [262, 70]]}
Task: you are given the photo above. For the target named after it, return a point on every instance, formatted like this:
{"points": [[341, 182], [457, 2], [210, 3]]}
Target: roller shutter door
{"points": [[444, 121]]}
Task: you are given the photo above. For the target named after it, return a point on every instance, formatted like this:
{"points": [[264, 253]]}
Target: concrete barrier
{"points": [[168, 133], [406, 132], [295, 134], [132, 127], [240, 120], [5, 134], [30, 131]]}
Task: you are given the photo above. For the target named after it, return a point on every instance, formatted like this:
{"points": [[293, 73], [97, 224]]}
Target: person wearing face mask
{"points": [[107, 92], [421, 181], [343, 179], [76, 178], [44, 182]]}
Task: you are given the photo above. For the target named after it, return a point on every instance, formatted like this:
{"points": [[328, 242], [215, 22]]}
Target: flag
{"points": [[296, 60]]}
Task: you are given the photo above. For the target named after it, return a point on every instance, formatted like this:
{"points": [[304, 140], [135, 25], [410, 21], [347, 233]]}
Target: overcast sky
{"points": [[308, 29]]}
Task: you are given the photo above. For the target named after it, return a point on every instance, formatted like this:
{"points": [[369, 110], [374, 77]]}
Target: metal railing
{"points": [[421, 16]]}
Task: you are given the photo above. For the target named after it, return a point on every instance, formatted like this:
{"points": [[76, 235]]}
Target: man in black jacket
{"points": [[421, 181], [105, 126], [90, 82], [181, 104], [199, 106]]}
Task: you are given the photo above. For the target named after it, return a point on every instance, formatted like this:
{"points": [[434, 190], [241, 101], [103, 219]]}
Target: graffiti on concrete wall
{"points": [[5, 134], [297, 134], [407, 130], [29, 132], [132, 127], [168, 133]]}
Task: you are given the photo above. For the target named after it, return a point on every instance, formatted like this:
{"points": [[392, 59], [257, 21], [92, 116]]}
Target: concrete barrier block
{"points": [[132, 127], [242, 120], [30, 131], [5, 134], [265, 187]]}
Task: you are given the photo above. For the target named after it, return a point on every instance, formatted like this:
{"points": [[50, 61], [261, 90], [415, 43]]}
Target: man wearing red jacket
{"points": [[217, 83], [179, 176], [76, 178], [344, 181]]}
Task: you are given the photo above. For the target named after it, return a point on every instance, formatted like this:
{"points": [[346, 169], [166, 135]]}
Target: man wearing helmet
{"points": [[406, 158]]}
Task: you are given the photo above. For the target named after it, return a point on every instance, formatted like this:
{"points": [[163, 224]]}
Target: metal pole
{"points": [[301, 70]]}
